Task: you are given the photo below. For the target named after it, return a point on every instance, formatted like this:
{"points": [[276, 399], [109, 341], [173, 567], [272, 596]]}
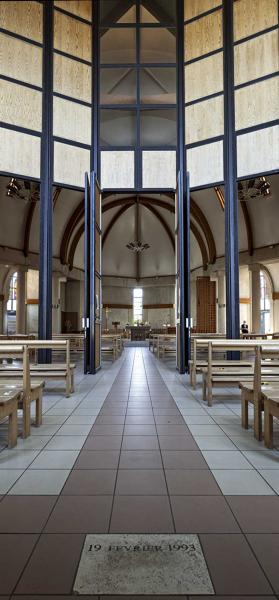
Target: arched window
{"points": [[266, 297], [137, 304], [11, 304]]}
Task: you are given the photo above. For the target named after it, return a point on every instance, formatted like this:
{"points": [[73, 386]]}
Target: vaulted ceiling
{"points": [[19, 228]]}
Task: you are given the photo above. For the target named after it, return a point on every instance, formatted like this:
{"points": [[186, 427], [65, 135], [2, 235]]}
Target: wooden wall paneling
{"points": [[204, 120], [71, 121], [258, 151], [205, 164], [204, 77], [206, 305], [81, 8], [72, 36], [256, 58], [117, 169], [252, 16], [71, 78], [20, 106], [20, 60], [193, 8], [19, 153], [203, 35], [24, 18], [70, 164], [159, 168], [257, 103]]}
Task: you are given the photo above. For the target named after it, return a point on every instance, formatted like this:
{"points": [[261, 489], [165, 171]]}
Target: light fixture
{"points": [[253, 188], [137, 246], [29, 192]]}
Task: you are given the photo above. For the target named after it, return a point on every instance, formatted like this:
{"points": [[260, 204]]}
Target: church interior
{"points": [[139, 299]]}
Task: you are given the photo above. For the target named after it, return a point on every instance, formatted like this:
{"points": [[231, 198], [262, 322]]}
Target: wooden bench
{"points": [[109, 347], [76, 340], [231, 376], [198, 343], [271, 409], [31, 390], [8, 408], [55, 371], [112, 345], [265, 380], [166, 346]]}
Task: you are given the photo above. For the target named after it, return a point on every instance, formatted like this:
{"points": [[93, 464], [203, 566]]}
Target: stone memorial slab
{"points": [[142, 564]]}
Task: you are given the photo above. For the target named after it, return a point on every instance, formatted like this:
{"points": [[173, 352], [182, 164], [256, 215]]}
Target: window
{"points": [[137, 304], [11, 304], [265, 303]]}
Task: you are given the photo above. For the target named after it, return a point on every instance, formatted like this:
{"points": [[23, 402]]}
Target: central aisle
{"points": [[139, 471]]}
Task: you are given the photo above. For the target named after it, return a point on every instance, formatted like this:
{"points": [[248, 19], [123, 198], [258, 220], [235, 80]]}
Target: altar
{"points": [[139, 333]]}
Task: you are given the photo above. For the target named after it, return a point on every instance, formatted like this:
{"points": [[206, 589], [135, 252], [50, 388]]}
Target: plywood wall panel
{"points": [[252, 16], [71, 121], [20, 60], [203, 35], [70, 164], [257, 103], [258, 151], [117, 169], [81, 8], [256, 58], [193, 8], [24, 18], [72, 36], [72, 78], [19, 153], [20, 106], [205, 164], [204, 120], [204, 77], [159, 169]]}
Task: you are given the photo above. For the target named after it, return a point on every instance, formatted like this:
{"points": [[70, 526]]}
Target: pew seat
{"points": [[8, 408]]}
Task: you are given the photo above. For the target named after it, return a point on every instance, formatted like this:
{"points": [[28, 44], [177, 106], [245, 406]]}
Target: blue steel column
{"points": [[46, 204], [230, 177], [184, 199]]}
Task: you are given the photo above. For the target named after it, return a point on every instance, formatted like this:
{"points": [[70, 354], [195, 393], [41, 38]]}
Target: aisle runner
{"points": [[142, 564]]}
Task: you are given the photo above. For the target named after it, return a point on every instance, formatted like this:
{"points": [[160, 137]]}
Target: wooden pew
{"points": [[55, 371], [76, 340], [166, 345], [265, 381], [8, 408], [199, 342], [31, 390], [112, 345], [21, 383], [271, 409], [229, 375]]}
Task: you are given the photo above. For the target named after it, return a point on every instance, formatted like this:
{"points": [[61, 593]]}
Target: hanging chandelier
{"points": [[253, 188], [28, 193], [137, 246]]}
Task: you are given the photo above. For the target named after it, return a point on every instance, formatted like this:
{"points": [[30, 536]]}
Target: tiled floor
{"points": [[135, 450]]}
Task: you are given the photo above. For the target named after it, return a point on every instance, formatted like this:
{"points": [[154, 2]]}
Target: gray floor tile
{"points": [[241, 482], [55, 459], [43, 482], [229, 459]]}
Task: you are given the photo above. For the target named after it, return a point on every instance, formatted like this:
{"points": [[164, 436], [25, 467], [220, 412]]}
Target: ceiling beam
{"points": [[248, 225], [73, 246], [199, 216], [208, 256], [196, 233], [73, 222]]}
